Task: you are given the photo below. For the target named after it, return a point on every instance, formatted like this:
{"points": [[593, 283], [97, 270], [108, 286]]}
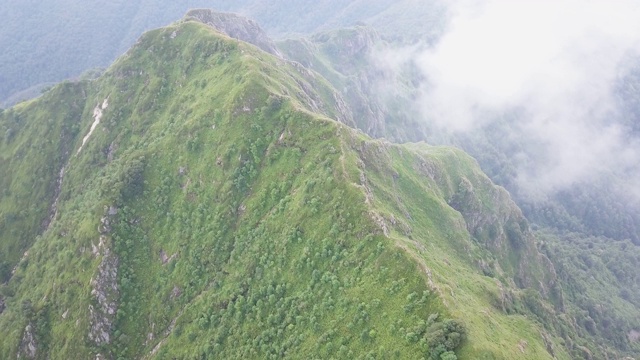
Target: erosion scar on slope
{"points": [[97, 115]]}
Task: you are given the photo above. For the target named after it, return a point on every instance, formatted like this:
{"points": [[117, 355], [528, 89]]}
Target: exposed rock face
{"points": [[176, 292], [105, 292], [53, 210], [105, 221], [369, 89], [235, 26], [166, 258], [346, 44], [502, 229], [104, 286], [28, 347]]}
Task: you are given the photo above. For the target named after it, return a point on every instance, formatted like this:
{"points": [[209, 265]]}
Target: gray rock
{"points": [[28, 346], [165, 258], [106, 293], [176, 292], [113, 210], [235, 26]]}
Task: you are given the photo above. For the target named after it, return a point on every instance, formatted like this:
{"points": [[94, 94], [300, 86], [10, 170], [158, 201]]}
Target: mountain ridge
{"points": [[267, 230], [235, 26]]}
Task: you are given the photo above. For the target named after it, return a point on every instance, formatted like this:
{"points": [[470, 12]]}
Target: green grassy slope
{"points": [[36, 144], [347, 58], [217, 211], [483, 278]]}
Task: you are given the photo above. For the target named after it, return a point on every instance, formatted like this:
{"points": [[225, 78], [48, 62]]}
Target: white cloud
{"points": [[554, 61]]}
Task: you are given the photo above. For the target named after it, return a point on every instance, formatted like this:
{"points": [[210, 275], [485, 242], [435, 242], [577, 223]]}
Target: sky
{"points": [[555, 63]]}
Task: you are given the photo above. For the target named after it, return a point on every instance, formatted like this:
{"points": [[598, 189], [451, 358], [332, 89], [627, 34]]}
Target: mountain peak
{"points": [[234, 26]]}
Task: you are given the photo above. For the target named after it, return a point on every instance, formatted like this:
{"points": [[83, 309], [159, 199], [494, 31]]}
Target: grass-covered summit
{"points": [[200, 200]]}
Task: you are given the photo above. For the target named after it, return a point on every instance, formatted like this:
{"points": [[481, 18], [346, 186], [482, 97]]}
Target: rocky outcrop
{"points": [[105, 221], [104, 286], [53, 210], [28, 346], [350, 60], [347, 44], [105, 293], [166, 258], [235, 26], [2, 304], [497, 224]]}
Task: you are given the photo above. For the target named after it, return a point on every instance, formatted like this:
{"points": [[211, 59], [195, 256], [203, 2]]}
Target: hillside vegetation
{"points": [[207, 199], [601, 288], [210, 207]]}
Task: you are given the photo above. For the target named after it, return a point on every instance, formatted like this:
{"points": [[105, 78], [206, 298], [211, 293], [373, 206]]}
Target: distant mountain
{"points": [[49, 41]]}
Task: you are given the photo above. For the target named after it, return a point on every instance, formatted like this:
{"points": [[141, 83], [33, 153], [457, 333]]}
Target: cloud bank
{"points": [[554, 63]]}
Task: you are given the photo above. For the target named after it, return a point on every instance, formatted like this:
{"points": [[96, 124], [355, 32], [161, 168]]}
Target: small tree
{"points": [[448, 355], [444, 337]]}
